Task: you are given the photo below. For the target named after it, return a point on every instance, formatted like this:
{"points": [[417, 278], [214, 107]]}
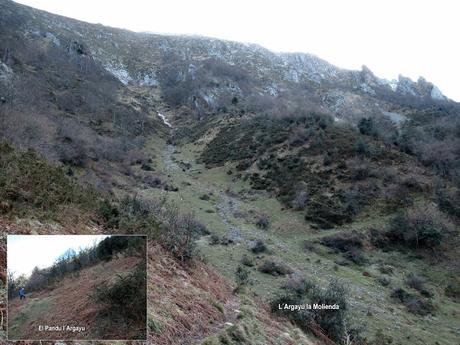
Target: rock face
{"points": [[5, 72]]}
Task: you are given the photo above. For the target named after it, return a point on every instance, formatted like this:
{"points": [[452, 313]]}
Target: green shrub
{"points": [[214, 239], [400, 294], [298, 291], [28, 183], [343, 242], [363, 148], [356, 255], [384, 281], [241, 277], [135, 215], [332, 321], [449, 200], [275, 268], [155, 326], [205, 197], [327, 159], [147, 167], [367, 126], [415, 282], [247, 261], [419, 306], [125, 299], [413, 303], [298, 285], [110, 213], [453, 288], [327, 212], [386, 269], [263, 221], [180, 234], [258, 246]]}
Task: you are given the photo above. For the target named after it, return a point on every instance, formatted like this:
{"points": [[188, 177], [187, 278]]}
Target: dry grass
{"points": [[182, 299], [69, 303]]}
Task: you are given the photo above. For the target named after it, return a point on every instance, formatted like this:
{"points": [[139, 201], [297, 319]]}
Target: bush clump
{"points": [[367, 126], [449, 200], [125, 300], [357, 256], [300, 199], [419, 227], [215, 239], [263, 222], [384, 281], [241, 277], [343, 243], [205, 197], [258, 246], [386, 269], [132, 214], [419, 306], [299, 291], [161, 220], [28, 183], [275, 268], [414, 304], [453, 288], [350, 245], [415, 282], [327, 212], [182, 232], [247, 261]]}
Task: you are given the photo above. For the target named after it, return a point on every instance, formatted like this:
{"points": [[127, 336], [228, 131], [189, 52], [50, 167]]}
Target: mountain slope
{"points": [[214, 70], [290, 163]]}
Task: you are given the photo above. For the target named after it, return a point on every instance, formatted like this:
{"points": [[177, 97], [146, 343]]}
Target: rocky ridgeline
{"points": [[140, 58]]}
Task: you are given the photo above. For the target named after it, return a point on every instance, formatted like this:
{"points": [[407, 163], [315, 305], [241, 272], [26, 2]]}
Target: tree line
{"points": [[72, 262]]}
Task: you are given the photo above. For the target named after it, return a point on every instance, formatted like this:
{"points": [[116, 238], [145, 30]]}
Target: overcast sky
{"points": [[24, 252], [391, 37]]}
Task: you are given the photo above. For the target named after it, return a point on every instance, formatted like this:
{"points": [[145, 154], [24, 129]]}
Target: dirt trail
{"points": [[226, 205], [67, 304]]}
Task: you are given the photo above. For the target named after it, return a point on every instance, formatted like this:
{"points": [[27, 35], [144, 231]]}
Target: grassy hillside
{"points": [[231, 209], [196, 305], [59, 200], [69, 302], [30, 185]]}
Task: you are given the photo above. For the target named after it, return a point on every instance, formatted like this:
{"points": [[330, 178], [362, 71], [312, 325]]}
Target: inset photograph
{"points": [[77, 287]]}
